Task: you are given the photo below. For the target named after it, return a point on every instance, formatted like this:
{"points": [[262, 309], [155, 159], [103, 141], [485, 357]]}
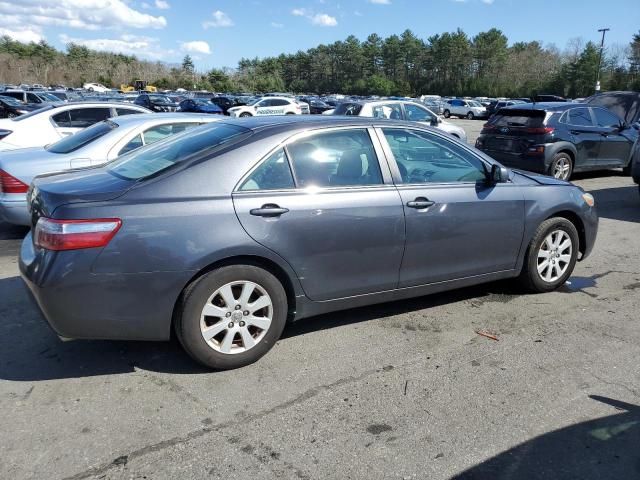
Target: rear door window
{"points": [[605, 118], [85, 117], [337, 158], [392, 111], [62, 119], [580, 117]]}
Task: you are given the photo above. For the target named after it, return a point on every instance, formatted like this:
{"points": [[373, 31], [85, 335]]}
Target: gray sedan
{"points": [[226, 232], [92, 146]]}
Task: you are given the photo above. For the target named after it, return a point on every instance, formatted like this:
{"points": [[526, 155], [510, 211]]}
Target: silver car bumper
{"points": [[14, 211]]}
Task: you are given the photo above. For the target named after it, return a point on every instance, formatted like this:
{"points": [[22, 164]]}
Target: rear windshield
{"points": [[518, 118], [82, 138], [147, 161], [348, 109]]}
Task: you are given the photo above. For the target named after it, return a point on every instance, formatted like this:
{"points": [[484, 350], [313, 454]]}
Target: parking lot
{"points": [[401, 390]]}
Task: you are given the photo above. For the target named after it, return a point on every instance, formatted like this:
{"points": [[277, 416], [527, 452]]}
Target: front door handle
{"points": [[420, 202], [268, 210]]}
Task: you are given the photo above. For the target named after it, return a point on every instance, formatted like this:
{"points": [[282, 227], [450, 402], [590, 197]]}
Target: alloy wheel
{"points": [[236, 317], [561, 169], [554, 255]]}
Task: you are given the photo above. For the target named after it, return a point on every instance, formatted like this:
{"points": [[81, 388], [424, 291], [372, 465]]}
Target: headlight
{"points": [[588, 199]]}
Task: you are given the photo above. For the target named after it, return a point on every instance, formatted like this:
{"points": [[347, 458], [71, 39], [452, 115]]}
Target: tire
{"points": [[470, 116], [561, 166], [289, 113], [534, 270], [246, 114], [234, 324], [91, 89], [11, 115], [446, 114]]}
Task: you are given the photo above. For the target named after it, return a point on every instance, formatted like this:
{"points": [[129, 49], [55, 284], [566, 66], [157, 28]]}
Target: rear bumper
{"points": [[79, 304], [14, 210]]}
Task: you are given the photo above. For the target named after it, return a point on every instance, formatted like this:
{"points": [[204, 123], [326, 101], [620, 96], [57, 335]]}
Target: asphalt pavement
{"points": [[405, 390]]}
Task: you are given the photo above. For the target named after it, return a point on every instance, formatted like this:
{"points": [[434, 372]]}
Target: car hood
{"points": [[541, 179]]}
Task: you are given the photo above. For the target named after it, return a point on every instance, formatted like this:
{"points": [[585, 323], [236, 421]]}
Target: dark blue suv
{"points": [[559, 139]]}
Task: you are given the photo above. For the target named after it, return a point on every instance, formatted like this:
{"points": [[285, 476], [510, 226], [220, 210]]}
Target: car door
{"points": [[265, 107], [615, 147], [586, 137], [327, 206], [457, 224]]}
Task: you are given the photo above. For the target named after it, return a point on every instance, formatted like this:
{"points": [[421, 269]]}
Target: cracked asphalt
{"points": [[404, 390]]}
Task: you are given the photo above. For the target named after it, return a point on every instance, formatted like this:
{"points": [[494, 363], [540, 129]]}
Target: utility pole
{"points": [[604, 31]]}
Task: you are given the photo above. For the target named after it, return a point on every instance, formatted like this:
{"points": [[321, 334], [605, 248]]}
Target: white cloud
{"points": [[22, 35], [81, 14], [143, 47], [277, 25], [357, 13], [220, 19], [196, 46], [320, 19], [162, 5], [487, 2], [380, 2], [324, 20]]}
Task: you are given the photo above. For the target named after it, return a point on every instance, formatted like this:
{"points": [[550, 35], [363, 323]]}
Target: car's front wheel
{"points": [[551, 256], [232, 316]]}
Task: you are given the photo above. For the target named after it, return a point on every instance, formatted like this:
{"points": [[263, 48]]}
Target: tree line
{"points": [[451, 63]]}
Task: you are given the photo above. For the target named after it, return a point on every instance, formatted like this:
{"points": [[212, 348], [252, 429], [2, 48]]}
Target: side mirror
{"points": [[435, 121], [499, 174]]}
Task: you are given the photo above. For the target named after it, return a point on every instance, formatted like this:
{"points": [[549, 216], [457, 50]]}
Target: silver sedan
{"points": [[92, 146]]}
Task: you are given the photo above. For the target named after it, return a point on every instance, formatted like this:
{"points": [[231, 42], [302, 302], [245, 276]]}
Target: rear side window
{"points": [[82, 138], [153, 159], [580, 117], [85, 117], [336, 158], [605, 118], [126, 111], [273, 174]]}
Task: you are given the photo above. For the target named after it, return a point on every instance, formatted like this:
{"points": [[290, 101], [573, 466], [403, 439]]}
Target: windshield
{"points": [[254, 101], [160, 98], [348, 109], [147, 161], [475, 104], [35, 112], [47, 97], [199, 101], [82, 138], [11, 101]]}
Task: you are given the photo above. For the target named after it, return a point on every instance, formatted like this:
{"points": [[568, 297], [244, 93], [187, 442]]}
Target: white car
{"points": [[398, 110], [93, 146], [470, 109], [49, 124], [96, 87], [267, 106]]}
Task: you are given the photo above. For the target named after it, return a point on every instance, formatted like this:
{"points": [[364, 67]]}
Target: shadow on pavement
{"points": [[621, 203], [602, 449], [31, 351]]}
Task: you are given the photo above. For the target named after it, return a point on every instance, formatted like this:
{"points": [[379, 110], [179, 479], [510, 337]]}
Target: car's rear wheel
{"points": [[470, 116], [245, 114], [290, 113], [446, 114], [561, 166], [232, 316], [551, 256]]}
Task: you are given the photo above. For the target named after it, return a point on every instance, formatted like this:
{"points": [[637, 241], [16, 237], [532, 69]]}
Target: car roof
{"points": [[139, 118], [546, 106]]}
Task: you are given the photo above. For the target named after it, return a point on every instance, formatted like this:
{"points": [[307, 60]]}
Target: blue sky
{"points": [[218, 33]]}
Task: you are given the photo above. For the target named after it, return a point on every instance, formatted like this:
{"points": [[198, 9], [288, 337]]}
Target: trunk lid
{"points": [[48, 192]]}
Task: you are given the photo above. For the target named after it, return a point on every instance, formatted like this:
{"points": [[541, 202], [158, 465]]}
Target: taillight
{"points": [[540, 130], [5, 133], [10, 184], [53, 234], [488, 126]]}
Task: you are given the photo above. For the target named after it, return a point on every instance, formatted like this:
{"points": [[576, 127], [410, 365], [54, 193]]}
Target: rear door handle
{"points": [[420, 202], [268, 210]]}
